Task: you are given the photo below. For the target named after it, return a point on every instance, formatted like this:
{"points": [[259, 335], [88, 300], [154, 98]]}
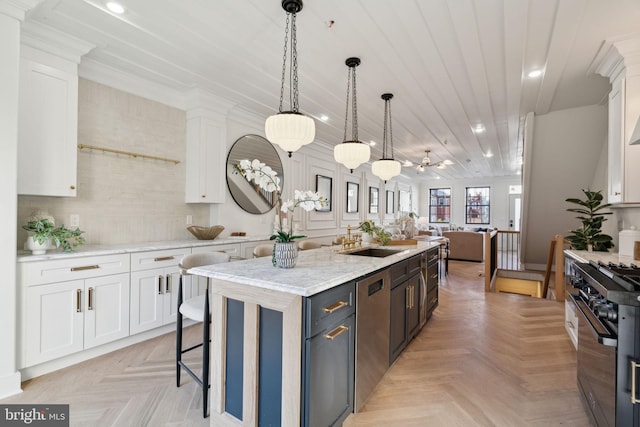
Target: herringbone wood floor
{"points": [[482, 360]]}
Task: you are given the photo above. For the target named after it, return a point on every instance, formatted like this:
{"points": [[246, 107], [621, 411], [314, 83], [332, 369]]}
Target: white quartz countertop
{"points": [[605, 257], [316, 270], [93, 250]]}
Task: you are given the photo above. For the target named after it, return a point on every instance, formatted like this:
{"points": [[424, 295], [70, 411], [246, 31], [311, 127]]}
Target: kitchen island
{"points": [[263, 325]]}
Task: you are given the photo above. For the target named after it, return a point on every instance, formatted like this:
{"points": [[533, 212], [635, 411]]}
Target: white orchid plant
{"points": [[267, 179]]}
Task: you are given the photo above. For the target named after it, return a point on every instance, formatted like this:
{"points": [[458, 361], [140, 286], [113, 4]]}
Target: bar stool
{"points": [[199, 310], [263, 250], [303, 245]]}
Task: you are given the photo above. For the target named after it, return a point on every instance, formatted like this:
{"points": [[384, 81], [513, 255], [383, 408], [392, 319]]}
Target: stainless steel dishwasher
{"points": [[372, 333]]}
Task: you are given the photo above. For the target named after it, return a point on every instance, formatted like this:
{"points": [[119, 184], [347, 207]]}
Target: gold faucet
{"points": [[349, 242]]}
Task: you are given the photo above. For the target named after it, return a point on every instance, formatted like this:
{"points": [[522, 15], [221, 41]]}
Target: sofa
{"points": [[465, 245]]}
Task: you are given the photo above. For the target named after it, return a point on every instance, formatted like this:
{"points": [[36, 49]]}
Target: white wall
{"points": [[566, 156], [299, 174], [499, 198]]}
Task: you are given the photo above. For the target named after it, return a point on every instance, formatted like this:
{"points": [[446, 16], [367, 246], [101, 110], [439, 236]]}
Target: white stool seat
{"points": [[193, 308]]}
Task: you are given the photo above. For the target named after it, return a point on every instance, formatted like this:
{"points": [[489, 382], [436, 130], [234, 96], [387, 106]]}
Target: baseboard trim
{"points": [[10, 385]]}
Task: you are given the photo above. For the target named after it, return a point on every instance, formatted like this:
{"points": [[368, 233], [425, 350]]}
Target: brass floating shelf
{"points": [[126, 153]]}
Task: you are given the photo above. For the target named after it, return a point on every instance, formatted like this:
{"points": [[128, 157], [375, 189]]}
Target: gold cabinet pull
{"points": [[90, 303], [85, 267], [434, 276], [407, 297], [634, 366], [413, 296], [72, 187], [164, 258], [336, 332], [167, 284], [78, 300], [335, 306], [160, 285]]}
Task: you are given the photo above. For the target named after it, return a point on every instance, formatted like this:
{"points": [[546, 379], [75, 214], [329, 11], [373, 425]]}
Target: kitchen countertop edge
{"points": [[97, 250]]}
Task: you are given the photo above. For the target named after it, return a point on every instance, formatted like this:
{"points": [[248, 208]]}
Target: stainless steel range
{"points": [[608, 303]]}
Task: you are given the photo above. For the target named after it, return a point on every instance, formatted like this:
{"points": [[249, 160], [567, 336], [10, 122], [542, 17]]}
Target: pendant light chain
{"points": [[354, 122], [294, 65], [293, 70], [284, 62], [346, 114], [351, 82], [387, 143]]}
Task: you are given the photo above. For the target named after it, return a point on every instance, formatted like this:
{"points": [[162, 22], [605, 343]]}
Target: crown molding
{"points": [[17, 8], [49, 40]]}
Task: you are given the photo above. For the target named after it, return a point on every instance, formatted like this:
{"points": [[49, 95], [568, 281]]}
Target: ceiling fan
{"points": [[426, 163]]}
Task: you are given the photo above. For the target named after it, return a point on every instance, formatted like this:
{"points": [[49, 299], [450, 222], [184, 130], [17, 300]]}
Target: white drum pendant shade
{"points": [[386, 168], [352, 153], [290, 130]]}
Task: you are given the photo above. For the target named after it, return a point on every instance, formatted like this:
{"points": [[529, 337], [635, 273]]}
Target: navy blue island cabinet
{"points": [[327, 365]]}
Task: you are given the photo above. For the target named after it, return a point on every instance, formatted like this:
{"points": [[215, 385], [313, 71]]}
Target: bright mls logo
{"points": [[34, 415]]}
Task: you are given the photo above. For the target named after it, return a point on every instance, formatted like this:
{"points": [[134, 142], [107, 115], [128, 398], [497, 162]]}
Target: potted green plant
{"points": [[46, 235], [371, 229], [590, 236]]}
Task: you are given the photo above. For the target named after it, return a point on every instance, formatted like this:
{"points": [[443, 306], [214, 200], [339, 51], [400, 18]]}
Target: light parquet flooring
{"points": [[482, 360]]}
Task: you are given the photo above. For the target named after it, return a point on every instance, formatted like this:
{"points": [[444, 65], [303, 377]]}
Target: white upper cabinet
{"points": [[206, 148], [47, 130], [48, 112]]}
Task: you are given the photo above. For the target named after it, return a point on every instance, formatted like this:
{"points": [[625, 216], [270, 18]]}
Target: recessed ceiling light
{"points": [[489, 154], [479, 128], [115, 7], [324, 117], [534, 73], [372, 143]]}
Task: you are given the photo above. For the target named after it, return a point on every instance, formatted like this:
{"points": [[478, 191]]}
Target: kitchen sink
{"points": [[374, 252]]}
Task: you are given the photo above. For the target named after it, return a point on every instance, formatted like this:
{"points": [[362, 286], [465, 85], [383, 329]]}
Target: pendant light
{"points": [[290, 129], [387, 167], [352, 153]]}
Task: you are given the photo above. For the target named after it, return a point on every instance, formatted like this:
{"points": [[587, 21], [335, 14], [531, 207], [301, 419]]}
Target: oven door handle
{"points": [[604, 336]]}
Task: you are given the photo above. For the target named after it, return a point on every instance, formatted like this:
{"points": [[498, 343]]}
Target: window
{"points": [[477, 209], [440, 205]]}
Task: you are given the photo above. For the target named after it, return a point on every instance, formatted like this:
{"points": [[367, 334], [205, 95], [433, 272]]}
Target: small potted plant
{"points": [[46, 235], [368, 227]]}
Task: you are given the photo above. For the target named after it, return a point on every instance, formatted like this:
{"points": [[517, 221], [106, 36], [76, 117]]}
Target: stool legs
{"points": [[205, 353], [179, 334]]}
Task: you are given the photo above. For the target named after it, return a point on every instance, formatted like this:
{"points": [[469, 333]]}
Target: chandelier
{"points": [[290, 129], [351, 153], [387, 167]]}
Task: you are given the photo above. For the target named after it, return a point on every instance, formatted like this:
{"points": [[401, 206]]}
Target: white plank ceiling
{"points": [[451, 64]]}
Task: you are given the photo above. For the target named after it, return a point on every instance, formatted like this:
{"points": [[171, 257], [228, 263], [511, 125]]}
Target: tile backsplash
{"points": [[123, 199]]}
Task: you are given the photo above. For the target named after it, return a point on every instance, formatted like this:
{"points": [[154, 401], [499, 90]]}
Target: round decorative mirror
{"points": [[246, 194]]}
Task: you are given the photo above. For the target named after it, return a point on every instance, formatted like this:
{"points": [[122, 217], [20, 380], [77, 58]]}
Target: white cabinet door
{"points": [[615, 144], [205, 171], [54, 321], [147, 300], [47, 147], [106, 309]]}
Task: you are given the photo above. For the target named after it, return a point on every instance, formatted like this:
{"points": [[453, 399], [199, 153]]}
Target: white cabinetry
{"points": [[47, 125], [154, 294], [615, 144], [622, 66], [71, 305]]}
